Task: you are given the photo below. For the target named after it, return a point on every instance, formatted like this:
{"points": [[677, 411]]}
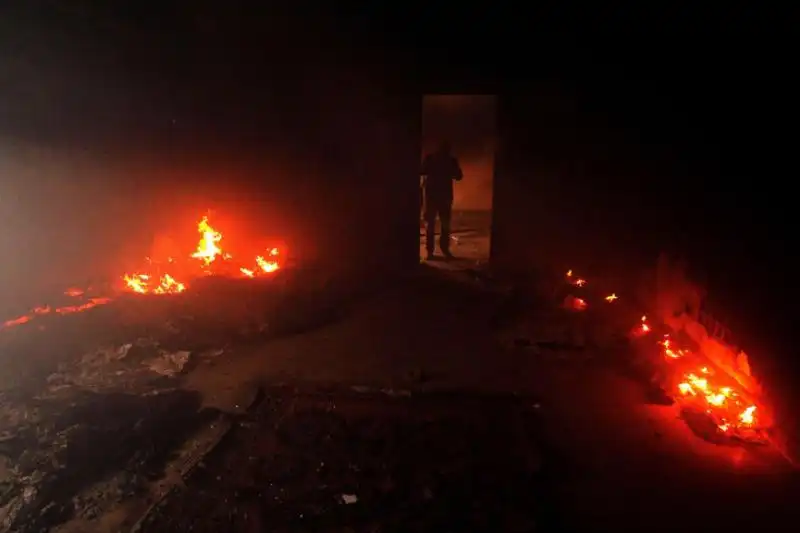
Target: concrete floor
{"points": [[613, 459]]}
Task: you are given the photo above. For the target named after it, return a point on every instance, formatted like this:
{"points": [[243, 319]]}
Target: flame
{"points": [[720, 401], [642, 329], [143, 284], [156, 281], [207, 248], [578, 282], [611, 297], [271, 265], [746, 417]]}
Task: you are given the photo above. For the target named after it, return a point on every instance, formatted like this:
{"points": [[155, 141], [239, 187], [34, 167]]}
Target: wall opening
{"points": [[468, 124]]}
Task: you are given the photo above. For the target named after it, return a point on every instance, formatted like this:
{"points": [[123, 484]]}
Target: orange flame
{"points": [[723, 402], [207, 248]]}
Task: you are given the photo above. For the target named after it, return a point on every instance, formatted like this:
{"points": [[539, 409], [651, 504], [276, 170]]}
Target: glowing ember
{"points": [[669, 351], [578, 282], [611, 297], [73, 292], [722, 403], [46, 310]]}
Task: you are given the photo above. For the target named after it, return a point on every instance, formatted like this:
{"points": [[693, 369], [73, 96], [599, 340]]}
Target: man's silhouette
{"points": [[439, 170]]}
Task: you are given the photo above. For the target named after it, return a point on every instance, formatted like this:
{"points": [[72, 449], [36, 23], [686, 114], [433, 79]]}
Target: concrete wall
{"points": [[562, 195]]}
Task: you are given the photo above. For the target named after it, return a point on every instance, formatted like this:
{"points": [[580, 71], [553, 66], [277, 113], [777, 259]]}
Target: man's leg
{"points": [[445, 211], [430, 227]]}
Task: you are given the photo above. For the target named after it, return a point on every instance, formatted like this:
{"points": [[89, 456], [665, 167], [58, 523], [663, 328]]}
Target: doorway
{"points": [[468, 124]]}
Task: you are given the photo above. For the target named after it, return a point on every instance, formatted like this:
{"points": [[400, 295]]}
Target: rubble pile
{"points": [[77, 458]]}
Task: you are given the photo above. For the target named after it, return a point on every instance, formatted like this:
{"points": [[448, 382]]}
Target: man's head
{"points": [[445, 148]]}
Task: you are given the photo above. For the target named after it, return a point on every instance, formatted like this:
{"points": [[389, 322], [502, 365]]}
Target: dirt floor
{"points": [[444, 401]]}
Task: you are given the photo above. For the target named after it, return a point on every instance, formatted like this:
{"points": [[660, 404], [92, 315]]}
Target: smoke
{"points": [[468, 123]]}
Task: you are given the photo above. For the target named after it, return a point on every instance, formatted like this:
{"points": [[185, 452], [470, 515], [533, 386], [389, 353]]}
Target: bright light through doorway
{"points": [[468, 124]]}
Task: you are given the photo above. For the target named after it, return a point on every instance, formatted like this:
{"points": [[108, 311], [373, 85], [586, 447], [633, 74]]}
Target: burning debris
{"points": [[169, 277], [692, 379], [703, 389], [212, 260]]}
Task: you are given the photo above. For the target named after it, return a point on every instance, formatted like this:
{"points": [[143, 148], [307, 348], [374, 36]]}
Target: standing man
{"points": [[439, 170]]}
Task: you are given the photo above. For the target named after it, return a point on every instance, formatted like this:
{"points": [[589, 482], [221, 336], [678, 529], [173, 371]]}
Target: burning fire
{"points": [[697, 384], [155, 280], [208, 251], [578, 282], [726, 406]]}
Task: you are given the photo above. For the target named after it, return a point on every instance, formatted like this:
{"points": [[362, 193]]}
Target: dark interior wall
{"points": [[566, 192]]}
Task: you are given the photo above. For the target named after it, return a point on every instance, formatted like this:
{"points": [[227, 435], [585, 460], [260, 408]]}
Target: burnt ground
{"points": [[344, 461], [435, 403]]}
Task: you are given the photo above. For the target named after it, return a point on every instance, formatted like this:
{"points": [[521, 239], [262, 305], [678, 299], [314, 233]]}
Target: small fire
{"points": [[143, 284], [153, 279], [642, 329], [578, 282], [270, 265], [721, 402], [207, 248], [611, 297]]}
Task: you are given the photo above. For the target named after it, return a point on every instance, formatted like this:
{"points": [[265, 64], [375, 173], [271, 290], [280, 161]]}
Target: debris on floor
{"points": [[373, 463]]}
